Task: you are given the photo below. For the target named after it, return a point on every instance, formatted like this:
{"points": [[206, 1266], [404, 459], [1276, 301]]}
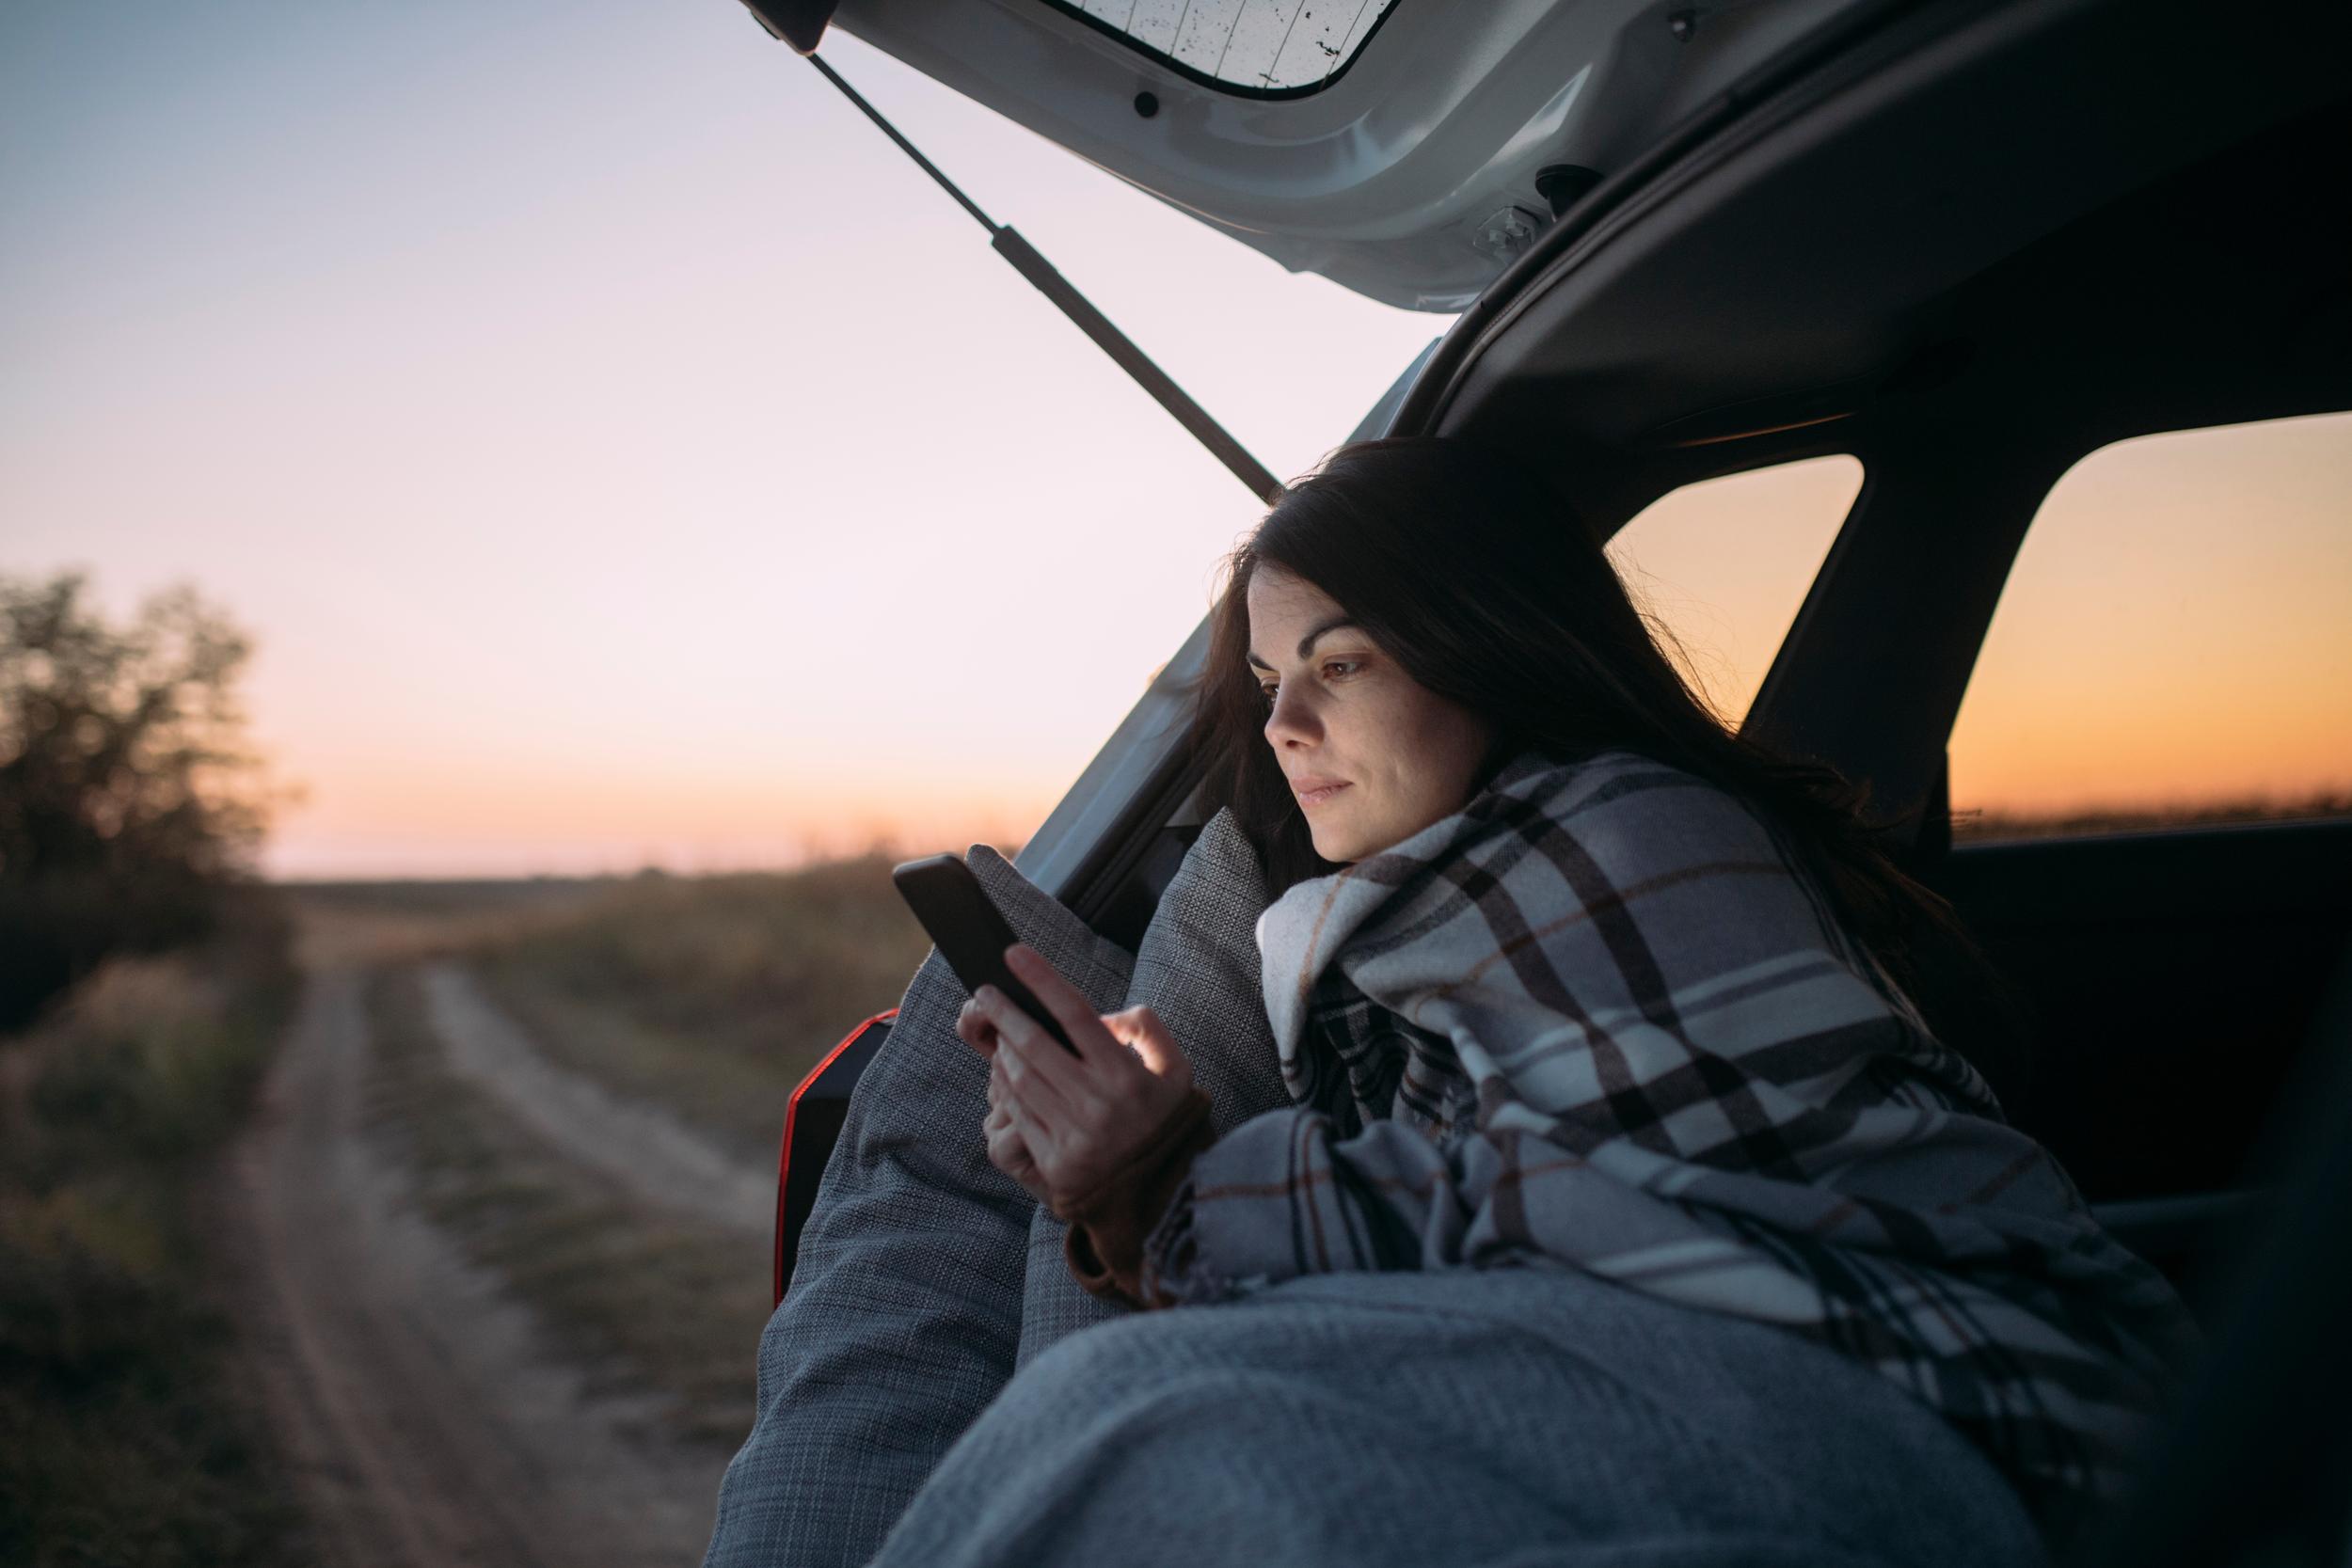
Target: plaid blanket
{"points": [[1600, 1019]]}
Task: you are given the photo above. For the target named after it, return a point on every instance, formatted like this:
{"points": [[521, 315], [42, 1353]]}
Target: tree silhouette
{"points": [[131, 802]]}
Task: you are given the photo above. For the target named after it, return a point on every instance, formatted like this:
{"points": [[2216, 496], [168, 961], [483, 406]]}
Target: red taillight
{"points": [[792, 1205]]}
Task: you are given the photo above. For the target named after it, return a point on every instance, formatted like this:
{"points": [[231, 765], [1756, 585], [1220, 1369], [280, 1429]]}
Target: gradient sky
{"points": [[2177, 628], [623, 454]]}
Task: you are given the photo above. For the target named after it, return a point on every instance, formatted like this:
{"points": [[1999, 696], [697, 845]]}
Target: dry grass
{"points": [[121, 1439], [362, 925], [650, 1305]]}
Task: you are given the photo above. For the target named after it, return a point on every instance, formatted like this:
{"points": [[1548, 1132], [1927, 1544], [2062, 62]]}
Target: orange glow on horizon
{"points": [[528, 824]]}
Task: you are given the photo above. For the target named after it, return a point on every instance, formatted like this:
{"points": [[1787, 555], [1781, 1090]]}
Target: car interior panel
{"points": [[2174, 976]]}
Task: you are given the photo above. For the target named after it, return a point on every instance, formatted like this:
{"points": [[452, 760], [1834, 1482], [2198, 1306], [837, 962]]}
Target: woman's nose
{"points": [[1293, 718]]}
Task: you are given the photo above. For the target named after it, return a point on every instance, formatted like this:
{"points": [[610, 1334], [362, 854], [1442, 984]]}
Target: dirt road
{"points": [[652, 1154], [427, 1422]]}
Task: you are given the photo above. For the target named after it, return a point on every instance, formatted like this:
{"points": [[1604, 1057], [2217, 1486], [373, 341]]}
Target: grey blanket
{"points": [[1531, 1417], [1679, 1075]]}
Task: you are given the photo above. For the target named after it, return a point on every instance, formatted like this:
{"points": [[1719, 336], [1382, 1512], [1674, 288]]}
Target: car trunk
{"points": [[1400, 148]]}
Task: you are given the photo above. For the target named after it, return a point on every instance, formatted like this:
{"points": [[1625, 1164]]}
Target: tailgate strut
{"points": [[1007, 242]]}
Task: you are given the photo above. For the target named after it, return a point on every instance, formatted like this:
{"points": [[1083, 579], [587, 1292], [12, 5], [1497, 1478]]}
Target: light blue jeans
{"points": [[1513, 1417]]}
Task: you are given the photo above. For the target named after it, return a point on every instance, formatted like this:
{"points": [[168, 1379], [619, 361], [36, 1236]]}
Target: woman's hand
{"points": [[1075, 1118], [1006, 1150]]}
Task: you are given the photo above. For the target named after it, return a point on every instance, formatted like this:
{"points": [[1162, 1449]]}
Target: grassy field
{"points": [[122, 1441]]}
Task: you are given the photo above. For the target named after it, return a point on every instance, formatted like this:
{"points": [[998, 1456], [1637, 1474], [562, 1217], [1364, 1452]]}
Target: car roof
{"points": [[1411, 172], [1852, 255]]}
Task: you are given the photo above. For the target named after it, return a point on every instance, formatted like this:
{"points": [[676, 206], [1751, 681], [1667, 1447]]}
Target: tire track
{"points": [[425, 1423], [649, 1152]]}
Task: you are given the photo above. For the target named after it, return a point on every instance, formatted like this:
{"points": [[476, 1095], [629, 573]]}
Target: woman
{"points": [[1594, 1023]]}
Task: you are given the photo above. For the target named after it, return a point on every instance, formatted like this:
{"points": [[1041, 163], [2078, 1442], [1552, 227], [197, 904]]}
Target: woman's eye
{"points": [[1332, 669]]}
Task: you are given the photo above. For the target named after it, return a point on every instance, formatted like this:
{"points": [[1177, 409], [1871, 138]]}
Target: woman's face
{"points": [[1371, 755]]}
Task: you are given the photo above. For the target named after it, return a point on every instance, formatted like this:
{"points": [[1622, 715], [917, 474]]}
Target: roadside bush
{"points": [[129, 799], [121, 1439]]}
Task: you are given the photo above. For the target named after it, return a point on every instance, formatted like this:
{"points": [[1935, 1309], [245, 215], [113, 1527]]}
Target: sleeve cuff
{"points": [[1104, 1245]]}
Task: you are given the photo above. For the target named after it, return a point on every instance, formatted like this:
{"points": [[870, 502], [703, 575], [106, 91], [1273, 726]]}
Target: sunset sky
{"points": [[624, 456]]}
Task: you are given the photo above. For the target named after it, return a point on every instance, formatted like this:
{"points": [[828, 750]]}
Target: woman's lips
{"points": [[1314, 792]]}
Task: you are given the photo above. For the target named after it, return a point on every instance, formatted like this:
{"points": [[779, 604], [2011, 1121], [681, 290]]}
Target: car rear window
{"points": [[1722, 569], [2174, 645], [1267, 47]]}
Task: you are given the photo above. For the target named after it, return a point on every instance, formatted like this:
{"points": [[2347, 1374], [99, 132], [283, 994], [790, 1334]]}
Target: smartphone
{"points": [[969, 930]]}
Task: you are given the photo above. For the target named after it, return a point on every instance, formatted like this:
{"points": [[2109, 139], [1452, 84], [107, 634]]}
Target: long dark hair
{"points": [[1486, 588]]}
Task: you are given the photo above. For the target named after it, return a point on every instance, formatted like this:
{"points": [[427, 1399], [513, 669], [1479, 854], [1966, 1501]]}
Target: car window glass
{"points": [[2174, 643], [1723, 565], [1264, 45]]}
